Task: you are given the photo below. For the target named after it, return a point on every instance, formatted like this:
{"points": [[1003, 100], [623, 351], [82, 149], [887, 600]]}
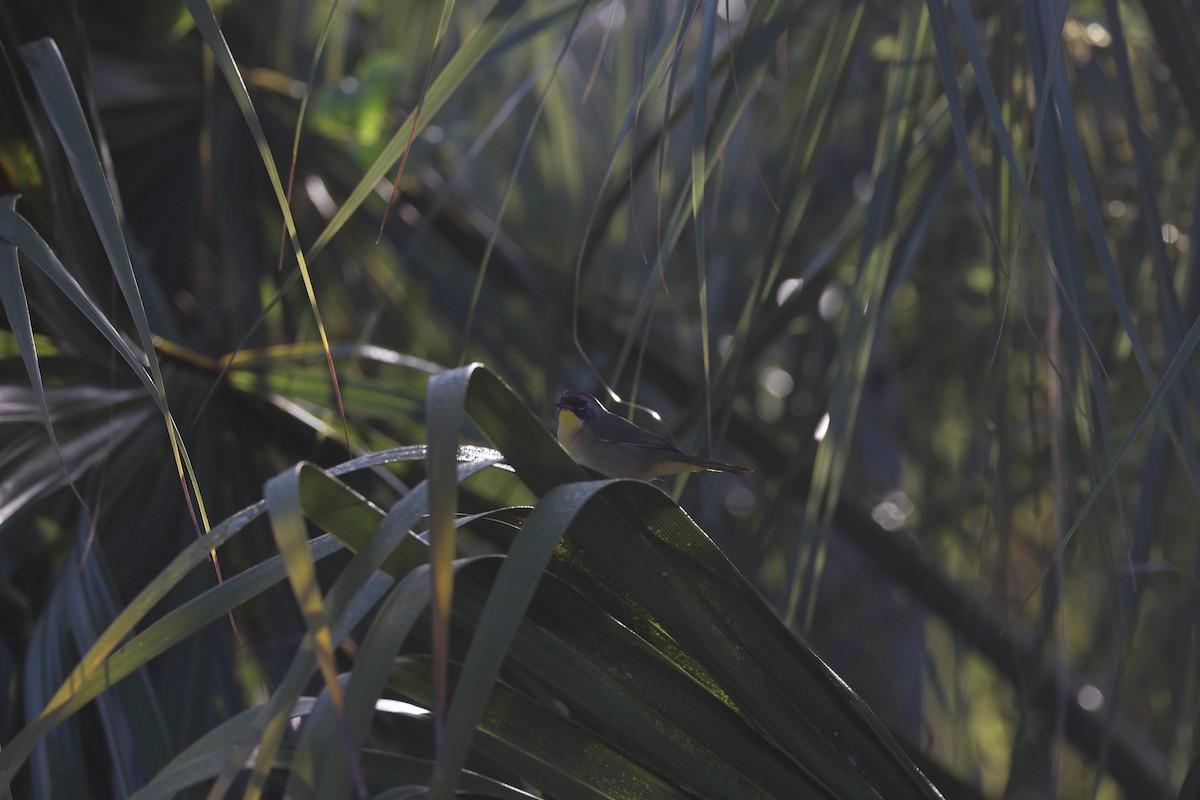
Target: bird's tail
{"points": [[697, 464], [712, 465]]}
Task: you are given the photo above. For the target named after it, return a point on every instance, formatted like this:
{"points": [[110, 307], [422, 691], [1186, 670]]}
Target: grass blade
{"points": [[207, 24], [53, 83]]}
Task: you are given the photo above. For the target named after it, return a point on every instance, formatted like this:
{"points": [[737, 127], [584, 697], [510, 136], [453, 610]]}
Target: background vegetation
{"points": [[925, 266]]}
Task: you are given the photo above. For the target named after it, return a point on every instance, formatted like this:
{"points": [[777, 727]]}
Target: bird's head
{"points": [[581, 404]]}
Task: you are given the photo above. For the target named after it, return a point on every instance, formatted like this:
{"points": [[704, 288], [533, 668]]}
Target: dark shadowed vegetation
{"points": [[284, 281]]}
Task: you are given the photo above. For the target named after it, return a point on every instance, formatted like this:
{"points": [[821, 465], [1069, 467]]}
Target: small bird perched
{"points": [[616, 448]]}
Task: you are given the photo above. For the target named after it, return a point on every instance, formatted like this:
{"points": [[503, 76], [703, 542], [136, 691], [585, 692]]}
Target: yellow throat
{"points": [[568, 426]]}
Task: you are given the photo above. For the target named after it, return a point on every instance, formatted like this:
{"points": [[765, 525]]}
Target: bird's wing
{"points": [[615, 429]]}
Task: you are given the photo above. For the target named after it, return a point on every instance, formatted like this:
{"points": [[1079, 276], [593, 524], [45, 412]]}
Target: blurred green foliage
{"points": [[925, 266]]}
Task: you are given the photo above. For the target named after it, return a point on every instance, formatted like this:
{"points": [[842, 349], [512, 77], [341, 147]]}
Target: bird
{"points": [[616, 448]]}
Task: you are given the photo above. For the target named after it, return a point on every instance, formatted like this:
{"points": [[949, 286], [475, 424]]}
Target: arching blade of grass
{"points": [[460, 66], [653, 73], [1179, 362], [148, 308], [58, 98], [745, 59], [16, 309], [944, 56], [712, 140], [137, 732], [90, 676], [439, 38], [1146, 533], [207, 24], [799, 173], [285, 509], [398, 770], [523, 567], [507, 194], [318, 50], [825, 91], [444, 418], [471, 159], [178, 624], [16, 230], [203, 759], [1149, 185], [392, 625], [704, 57], [56, 763], [1095, 431], [92, 429], [609, 678], [394, 388], [456, 72], [865, 305], [108, 661], [398, 614], [990, 96], [483, 43], [559, 756], [735, 638], [376, 537], [191, 616], [1176, 35], [930, 163]]}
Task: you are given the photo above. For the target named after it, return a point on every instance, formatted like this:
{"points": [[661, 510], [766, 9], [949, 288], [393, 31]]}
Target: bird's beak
{"points": [[560, 404]]}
